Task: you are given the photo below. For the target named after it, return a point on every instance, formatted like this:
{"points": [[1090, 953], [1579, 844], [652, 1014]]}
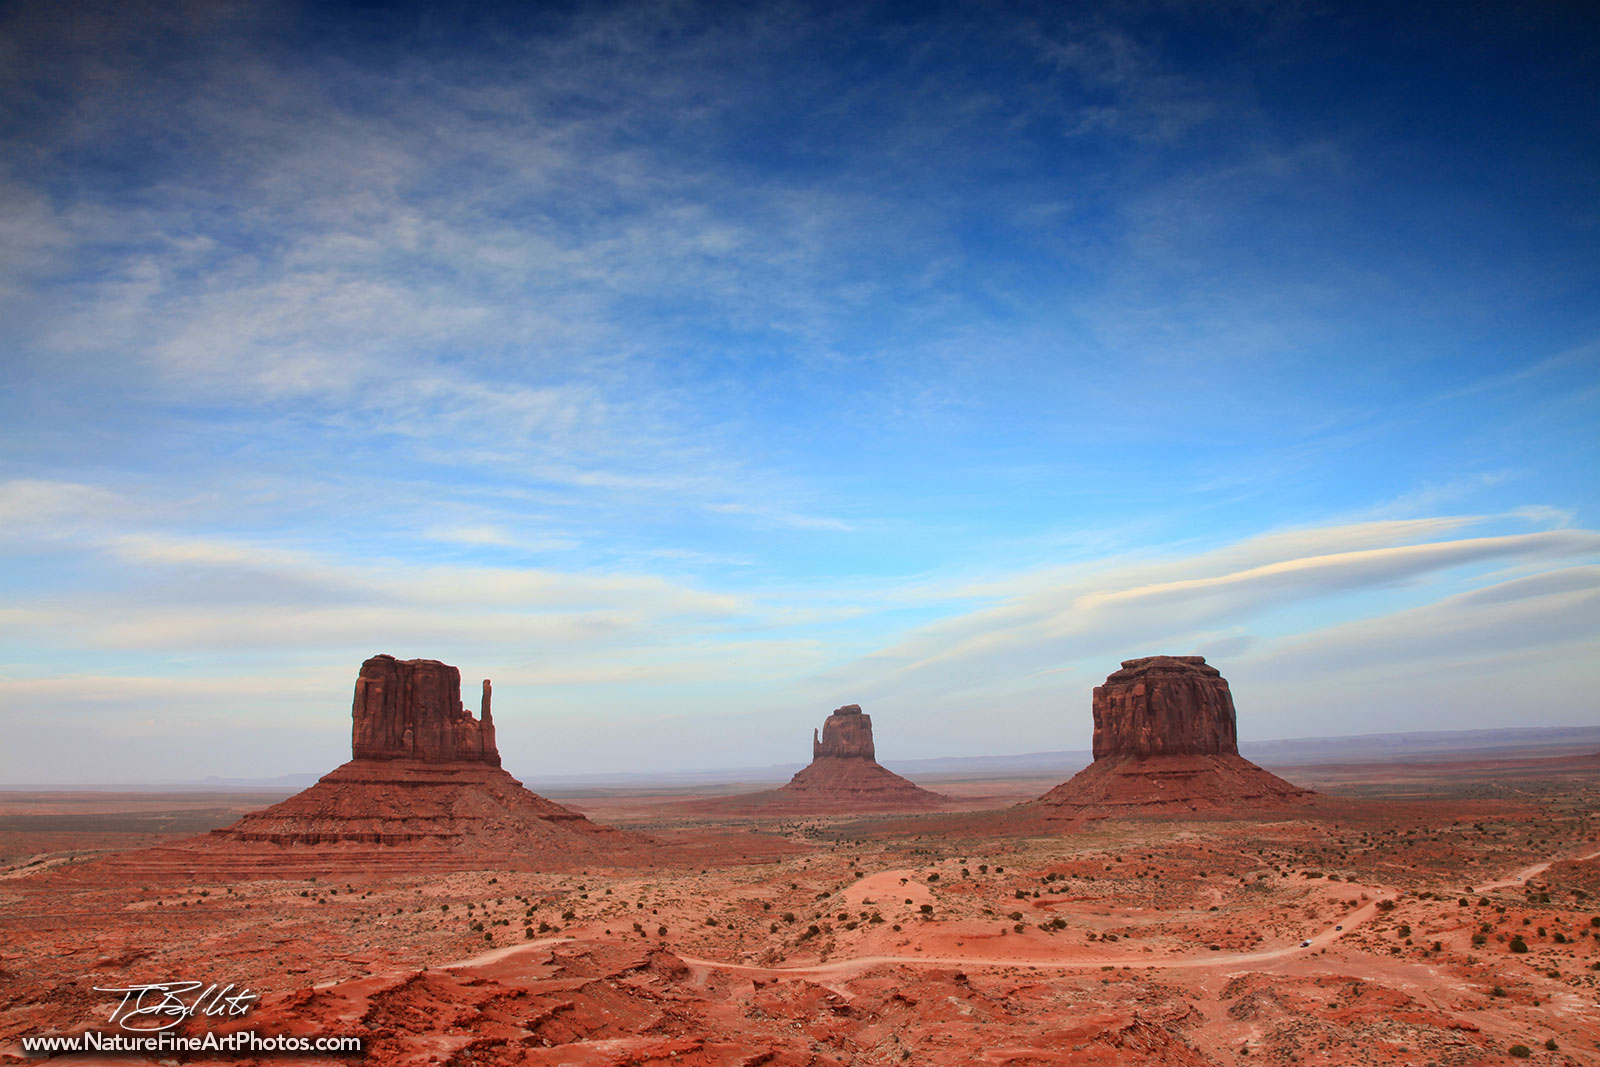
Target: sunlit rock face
{"points": [[411, 709], [1164, 706]]}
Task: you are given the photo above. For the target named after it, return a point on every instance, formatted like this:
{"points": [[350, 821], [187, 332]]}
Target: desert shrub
{"points": [[1520, 1052], [1550, 1045], [1518, 945]]}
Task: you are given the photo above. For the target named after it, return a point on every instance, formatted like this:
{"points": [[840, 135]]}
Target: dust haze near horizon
{"points": [[692, 371]]}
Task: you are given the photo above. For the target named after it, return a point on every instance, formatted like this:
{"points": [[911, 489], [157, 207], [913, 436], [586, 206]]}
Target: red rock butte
{"points": [[1166, 740], [844, 777], [412, 709], [424, 788]]}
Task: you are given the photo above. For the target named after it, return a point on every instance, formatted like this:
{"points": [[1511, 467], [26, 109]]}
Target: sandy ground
{"points": [[1154, 941]]}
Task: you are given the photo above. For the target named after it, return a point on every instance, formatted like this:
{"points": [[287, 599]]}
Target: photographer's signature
{"points": [[156, 1006]]}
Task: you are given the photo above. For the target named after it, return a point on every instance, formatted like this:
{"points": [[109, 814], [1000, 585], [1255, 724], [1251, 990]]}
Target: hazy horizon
{"points": [[692, 371]]}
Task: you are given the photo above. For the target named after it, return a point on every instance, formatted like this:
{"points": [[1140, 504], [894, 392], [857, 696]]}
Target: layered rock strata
{"points": [[1166, 741]]}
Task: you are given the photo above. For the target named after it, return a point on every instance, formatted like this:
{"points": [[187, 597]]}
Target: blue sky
{"points": [[691, 370]]}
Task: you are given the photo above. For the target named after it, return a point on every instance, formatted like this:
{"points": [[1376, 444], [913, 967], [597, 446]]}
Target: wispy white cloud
{"points": [[493, 536], [1135, 607], [682, 346], [781, 517]]}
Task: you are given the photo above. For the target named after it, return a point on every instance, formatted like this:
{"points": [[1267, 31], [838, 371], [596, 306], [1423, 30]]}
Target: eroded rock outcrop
{"points": [[1164, 706], [846, 734], [1166, 741], [411, 709], [425, 778]]}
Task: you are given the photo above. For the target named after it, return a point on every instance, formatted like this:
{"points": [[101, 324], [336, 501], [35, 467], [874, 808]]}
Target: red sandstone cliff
{"points": [[1164, 705], [846, 733], [411, 709]]}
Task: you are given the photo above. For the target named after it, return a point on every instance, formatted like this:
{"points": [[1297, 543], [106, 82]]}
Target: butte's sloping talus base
{"points": [[1166, 741], [424, 790], [844, 776]]}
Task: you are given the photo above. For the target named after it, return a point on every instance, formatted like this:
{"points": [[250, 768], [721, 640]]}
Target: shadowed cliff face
{"points": [[1164, 706], [845, 733], [411, 709]]}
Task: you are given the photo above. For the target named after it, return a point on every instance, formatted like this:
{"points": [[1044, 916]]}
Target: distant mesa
{"points": [[844, 777], [1166, 740]]}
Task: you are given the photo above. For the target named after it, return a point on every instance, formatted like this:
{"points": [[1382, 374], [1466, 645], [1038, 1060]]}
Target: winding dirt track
{"points": [[854, 964], [1348, 922]]}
